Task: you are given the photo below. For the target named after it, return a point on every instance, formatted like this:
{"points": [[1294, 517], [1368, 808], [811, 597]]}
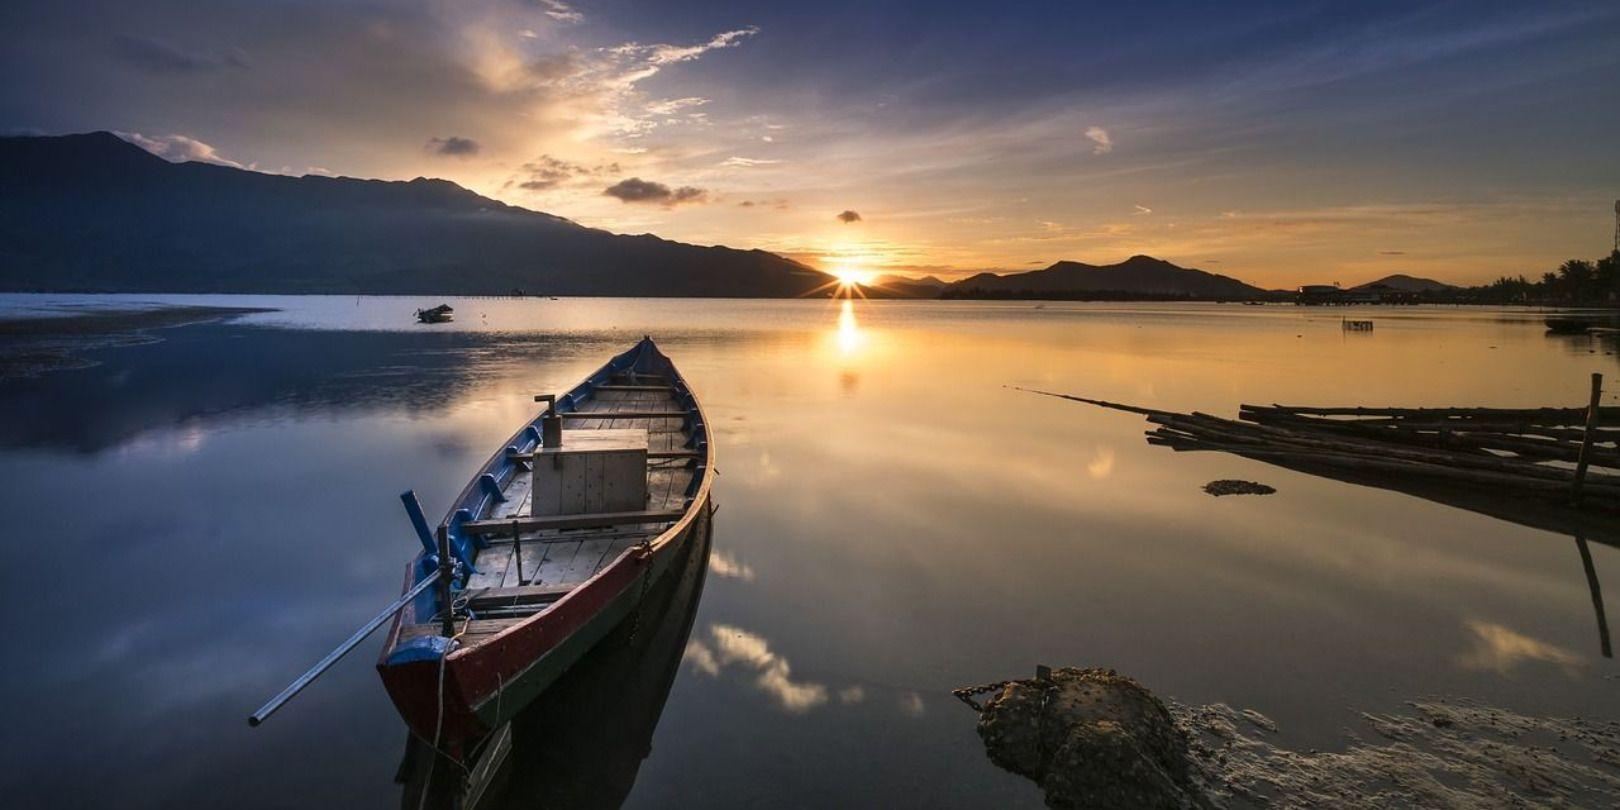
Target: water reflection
{"points": [[850, 336], [1500, 644], [1503, 650], [725, 647], [200, 375], [581, 744], [896, 523]]}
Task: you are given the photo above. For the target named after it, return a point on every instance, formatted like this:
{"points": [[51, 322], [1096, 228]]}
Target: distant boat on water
{"points": [[439, 314]]}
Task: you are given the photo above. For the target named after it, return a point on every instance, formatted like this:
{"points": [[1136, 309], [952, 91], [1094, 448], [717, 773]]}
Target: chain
{"points": [[641, 598], [967, 693]]}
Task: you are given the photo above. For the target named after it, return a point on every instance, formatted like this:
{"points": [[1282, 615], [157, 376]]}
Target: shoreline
{"points": [[39, 344]]}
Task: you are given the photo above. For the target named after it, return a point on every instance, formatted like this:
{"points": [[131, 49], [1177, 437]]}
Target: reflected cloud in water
{"points": [[723, 565], [727, 647], [1502, 650], [1102, 463]]}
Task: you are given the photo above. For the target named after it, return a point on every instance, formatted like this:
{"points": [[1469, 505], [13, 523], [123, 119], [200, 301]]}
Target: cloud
{"points": [[723, 565], [178, 148], [852, 694], [560, 11], [779, 204], [911, 704], [547, 172], [732, 647], [1141, 210], [848, 216], [747, 163], [670, 106], [657, 56], [1099, 136], [453, 146], [1392, 253], [637, 190], [159, 56]]}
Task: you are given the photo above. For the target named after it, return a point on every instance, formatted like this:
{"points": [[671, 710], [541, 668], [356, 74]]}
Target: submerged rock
{"points": [[1230, 486], [1090, 738], [1094, 738]]}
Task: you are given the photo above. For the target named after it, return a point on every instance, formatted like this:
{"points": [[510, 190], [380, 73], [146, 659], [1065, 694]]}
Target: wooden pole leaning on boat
{"points": [[446, 576], [1586, 439], [342, 649]]}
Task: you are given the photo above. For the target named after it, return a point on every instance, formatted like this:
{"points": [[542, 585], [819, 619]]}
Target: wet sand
{"points": [[34, 345]]}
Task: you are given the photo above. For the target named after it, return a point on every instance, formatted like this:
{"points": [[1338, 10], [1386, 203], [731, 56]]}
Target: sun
{"points": [[851, 277]]}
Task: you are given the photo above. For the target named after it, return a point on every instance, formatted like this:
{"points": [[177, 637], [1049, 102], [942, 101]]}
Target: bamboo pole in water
{"points": [[1586, 442]]}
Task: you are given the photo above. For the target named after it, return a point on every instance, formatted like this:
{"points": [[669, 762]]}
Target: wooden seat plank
{"points": [[539, 522]]}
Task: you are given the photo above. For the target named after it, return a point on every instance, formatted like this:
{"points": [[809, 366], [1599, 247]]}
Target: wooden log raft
{"points": [[1528, 452]]}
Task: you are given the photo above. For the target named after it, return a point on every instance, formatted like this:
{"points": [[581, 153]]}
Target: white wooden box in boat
{"points": [[603, 470]]}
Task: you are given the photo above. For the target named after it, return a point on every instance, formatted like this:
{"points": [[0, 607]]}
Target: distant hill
{"points": [[1142, 276], [892, 286], [1404, 283], [94, 213]]}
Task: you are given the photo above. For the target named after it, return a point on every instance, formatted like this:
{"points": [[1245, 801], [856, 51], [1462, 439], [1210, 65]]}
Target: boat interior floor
{"points": [[518, 576]]}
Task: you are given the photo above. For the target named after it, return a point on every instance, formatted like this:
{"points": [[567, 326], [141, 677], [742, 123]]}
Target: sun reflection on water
{"points": [[850, 336]]}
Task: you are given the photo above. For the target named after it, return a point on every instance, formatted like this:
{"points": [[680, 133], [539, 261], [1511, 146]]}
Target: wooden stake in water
{"points": [[1586, 439]]}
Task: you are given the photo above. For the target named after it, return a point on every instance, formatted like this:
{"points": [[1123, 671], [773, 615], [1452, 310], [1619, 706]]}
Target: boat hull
{"points": [[482, 687]]}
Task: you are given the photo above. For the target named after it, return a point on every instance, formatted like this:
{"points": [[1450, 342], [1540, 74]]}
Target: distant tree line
{"points": [[1575, 282]]}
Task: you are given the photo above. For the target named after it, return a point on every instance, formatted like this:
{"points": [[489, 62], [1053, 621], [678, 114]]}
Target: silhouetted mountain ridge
{"points": [[1404, 283], [1138, 275], [92, 212]]}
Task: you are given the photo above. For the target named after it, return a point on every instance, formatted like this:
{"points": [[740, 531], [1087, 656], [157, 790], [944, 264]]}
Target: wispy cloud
{"points": [[560, 11], [160, 56], [546, 172], [747, 163], [670, 106], [179, 148], [1103, 143]]}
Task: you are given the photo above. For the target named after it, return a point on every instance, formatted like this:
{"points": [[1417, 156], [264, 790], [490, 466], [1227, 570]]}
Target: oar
{"points": [[332, 657]]}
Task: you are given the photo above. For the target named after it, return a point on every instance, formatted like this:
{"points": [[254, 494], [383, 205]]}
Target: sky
{"points": [[1280, 143]]}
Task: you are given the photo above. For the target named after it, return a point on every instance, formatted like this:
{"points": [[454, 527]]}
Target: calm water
{"points": [[195, 520]]}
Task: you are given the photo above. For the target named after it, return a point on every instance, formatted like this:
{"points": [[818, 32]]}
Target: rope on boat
{"points": [[438, 723]]}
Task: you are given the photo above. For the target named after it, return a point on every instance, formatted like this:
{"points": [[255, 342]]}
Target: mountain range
{"points": [[1137, 276], [94, 213], [1400, 282]]}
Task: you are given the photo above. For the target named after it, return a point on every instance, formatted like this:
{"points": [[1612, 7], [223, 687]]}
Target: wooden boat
{"points": [[549, 558], [439, 314], [609, 704]]}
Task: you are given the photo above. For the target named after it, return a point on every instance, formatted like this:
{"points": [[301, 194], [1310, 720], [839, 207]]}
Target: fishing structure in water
{"points": [[1540, 453], [1555, 469]]}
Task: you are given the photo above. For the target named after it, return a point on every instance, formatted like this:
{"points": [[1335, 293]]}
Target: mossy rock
{"points": [[1091, 738]]}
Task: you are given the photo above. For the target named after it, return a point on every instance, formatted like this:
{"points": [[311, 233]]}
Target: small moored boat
{"points": [[555, 542], [439, 314]]}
